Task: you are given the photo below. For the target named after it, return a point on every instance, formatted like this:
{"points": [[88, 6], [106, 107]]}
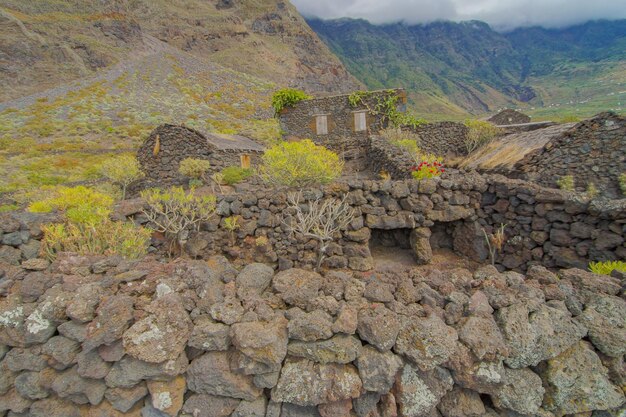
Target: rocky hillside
{"points": [[45, 43], [454, 68]]}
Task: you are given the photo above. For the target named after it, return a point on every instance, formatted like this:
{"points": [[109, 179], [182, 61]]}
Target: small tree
{"points": [[123, 171], [479, 134], [194, 168], [300, 164], [174, 212], [322, 221]]}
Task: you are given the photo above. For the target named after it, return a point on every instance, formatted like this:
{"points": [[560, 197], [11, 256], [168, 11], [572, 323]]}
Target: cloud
{"points": [[501, 14]]}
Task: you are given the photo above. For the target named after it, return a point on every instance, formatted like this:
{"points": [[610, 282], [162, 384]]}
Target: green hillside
{"points": [[452, 69]]}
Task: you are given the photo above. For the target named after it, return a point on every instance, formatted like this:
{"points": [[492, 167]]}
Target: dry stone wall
{"points": [[542, 226], [442, 138], [593, 151], [98, 336]]}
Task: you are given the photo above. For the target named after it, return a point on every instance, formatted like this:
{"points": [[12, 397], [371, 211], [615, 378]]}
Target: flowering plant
{"points": [[427, 169]]}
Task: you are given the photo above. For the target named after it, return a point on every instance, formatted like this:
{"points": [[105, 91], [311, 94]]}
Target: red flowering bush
{"points": [[427, 169]]}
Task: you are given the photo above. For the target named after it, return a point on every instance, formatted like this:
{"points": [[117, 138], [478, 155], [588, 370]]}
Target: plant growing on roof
{"points": [[622, 183], [323, 220], [287, 97], [566, 183], [194, 169], [479, 134]]}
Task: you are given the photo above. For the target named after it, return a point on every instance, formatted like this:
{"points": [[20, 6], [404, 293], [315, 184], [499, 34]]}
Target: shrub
{"points": [[566, 183], [122, 170], [606, 267], [479, 134], [87, 228], [174, 211], [287, 97], [300, 164], [427, 170], [194, 168], [233, 175], [622, 183], [592, 191], [396, 134], [105, 238]]}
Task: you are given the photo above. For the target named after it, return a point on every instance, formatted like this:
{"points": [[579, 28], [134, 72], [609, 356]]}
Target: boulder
{"points": [[209, 335], [461, 403], [605, 317], [340, 348], [129, 371], [576, 382], [306, 383], [167, 396], [536, 333], [161, 336], [61, 352], [254, 279], [378, 326], [113, 318], [377, 369], [68, 384], [418, 393], [297, 286], [262, 343], [482, 336], [211, 374], [426, 341], [309, 327], [123, 399], [522, 392]]}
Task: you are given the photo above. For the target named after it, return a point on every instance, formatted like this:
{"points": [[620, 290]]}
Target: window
{"points": [[360, 121], [321, 124]]}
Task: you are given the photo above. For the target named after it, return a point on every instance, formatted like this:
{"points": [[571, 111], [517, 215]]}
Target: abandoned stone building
{"points": [[509, 117], [161, 153], [334, 123]]}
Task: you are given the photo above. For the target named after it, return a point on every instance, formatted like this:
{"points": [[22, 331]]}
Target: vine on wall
{"points": [[385, 106]]}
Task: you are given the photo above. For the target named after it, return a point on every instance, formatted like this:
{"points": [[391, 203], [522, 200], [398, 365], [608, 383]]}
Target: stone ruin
{"points": [[509, 117], [161, 153]]}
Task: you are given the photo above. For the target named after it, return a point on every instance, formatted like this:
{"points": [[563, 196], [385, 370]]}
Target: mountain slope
{"points": [[454, 68], [44, 43]]}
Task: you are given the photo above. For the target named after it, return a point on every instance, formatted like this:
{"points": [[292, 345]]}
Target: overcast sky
{"points": [[501, 14]]}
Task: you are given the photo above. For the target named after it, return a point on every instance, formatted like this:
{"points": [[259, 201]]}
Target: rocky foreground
{"points": [[95, 336]]}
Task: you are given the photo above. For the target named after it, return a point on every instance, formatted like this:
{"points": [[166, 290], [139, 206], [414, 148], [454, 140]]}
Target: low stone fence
{"points": [[98, 336], [542, 226]]}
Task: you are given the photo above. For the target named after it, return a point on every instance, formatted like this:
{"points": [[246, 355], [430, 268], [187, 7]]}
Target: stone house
{"points": [[509, 117], [161, 153], [334, 123]]}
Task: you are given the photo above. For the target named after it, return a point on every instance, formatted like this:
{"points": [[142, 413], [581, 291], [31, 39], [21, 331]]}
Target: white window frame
{"points": [[360, 121], [321, 124]]}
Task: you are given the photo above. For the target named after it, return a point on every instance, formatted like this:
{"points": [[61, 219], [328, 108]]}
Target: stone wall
{"points": [[594, 151], [97, 336], [509, 117], [442, 138], [298, 121], [543, 226]]}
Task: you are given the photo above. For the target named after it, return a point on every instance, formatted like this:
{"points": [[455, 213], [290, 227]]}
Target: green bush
{"points": [[606, 267], [622, 183], [87, 228], [300, 164], [122, 170], [194, 168], [479, 134], [287, 97], [233, 175], [592, 191], [566, 183]]}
